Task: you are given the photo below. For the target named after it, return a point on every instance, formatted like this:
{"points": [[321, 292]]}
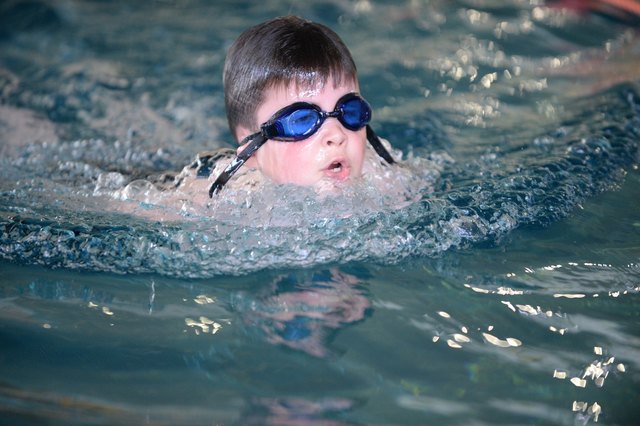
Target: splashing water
{"points": [[510, 116], [537, 182], [493, 138]]}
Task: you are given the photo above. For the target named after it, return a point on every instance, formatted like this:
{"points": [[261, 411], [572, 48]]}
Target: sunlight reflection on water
{"points": [[503, 292]]}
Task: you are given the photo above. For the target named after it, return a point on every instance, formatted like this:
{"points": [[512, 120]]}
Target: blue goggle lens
{"points": [[356, 113], [302, 119], [299, 123]]}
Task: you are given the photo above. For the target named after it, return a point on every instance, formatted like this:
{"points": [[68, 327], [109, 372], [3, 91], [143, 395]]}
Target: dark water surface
{"points": [[507, 295]]}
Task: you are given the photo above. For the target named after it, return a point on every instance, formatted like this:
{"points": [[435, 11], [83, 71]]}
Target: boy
{"points": [[291, 94]]}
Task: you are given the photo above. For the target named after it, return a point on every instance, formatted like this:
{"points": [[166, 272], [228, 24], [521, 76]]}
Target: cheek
{"points": [[358, 146], [298, 158], [286, 161], [307, 151]]}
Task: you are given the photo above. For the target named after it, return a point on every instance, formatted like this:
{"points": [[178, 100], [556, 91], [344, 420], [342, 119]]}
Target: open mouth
{"points": [[338, 169], [335, 167]]}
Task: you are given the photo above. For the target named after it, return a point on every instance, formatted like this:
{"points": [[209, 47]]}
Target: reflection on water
{"points": [[504, 292], [295, 411], [300, 315], [441, 341], [496, 132]]}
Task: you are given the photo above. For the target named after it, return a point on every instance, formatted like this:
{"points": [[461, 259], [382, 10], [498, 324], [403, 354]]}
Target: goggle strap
{"points": [[259, 140], [375, 142], [236, 163]]}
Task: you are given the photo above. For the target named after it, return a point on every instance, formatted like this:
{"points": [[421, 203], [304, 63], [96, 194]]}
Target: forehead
{"points": [[296, 90], [310, 83], [324, 94]]}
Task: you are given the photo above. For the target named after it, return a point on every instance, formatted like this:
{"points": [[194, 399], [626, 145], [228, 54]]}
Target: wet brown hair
{"points": [[283, 51]]}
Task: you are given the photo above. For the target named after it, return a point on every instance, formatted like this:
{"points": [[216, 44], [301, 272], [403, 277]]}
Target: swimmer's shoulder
{"points": [[202, 167], [206, 161]]}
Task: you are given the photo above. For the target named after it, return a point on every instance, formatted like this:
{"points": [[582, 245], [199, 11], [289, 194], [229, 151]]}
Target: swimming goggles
{"points": [[299, 121]]}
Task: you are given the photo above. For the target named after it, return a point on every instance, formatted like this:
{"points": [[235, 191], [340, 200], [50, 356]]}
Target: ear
{"points": [[241, 133]]}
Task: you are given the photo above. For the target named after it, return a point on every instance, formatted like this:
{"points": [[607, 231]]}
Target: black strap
{"points": [[260, 139], [375, 142], [236, 163]]}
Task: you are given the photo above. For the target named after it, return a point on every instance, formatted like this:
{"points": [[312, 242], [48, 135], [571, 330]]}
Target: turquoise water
{"points": [[507, 295]]}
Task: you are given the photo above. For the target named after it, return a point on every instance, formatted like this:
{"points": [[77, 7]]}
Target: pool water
{"points": [[507, 293]]}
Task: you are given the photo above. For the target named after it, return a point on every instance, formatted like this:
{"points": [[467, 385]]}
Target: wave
{"points": [[475, 201]]}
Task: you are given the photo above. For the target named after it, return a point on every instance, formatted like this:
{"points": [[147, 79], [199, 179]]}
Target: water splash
{"points": [[478, 202]]}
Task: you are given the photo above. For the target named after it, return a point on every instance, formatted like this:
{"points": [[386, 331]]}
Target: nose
{"points": [[333, 133]]}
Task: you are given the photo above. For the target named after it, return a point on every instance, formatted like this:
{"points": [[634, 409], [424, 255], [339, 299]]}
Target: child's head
{"points": [[287, 60], [291, 93], [279, 53]]}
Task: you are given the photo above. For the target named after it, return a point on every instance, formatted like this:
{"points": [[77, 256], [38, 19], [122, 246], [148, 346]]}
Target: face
{"points": [[332, 154]]}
